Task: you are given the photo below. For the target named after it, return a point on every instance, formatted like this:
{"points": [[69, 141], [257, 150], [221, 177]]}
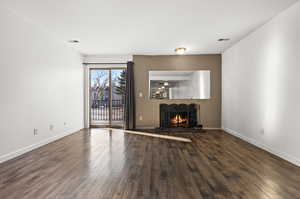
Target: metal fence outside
{"points": [[100, 110]]}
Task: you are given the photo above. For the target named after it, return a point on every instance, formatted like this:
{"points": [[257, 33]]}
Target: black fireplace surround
{"points": [[187, 112]]}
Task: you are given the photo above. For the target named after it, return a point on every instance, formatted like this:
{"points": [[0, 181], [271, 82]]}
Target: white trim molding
{"points": [[26, 149], [107, 59], [146, 127], [282, 155], [212, 128]]}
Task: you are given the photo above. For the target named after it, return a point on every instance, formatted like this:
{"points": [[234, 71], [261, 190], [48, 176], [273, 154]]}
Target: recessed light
{"points": [[224, 39], [73, 41], [180, 51]]}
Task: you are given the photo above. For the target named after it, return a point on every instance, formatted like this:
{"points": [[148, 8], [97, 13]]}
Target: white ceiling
{"points": [[148, 26]]}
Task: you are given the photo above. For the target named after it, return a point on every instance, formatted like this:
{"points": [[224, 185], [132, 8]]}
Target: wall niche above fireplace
{"points": [[178, 115], [179, 84]]}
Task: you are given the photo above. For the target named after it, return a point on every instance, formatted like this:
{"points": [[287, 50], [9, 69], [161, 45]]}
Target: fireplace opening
{"points": [[179, 120], [178, 116]]}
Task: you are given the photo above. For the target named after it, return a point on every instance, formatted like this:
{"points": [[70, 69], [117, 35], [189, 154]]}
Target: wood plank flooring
{"points": [[105, 164]]}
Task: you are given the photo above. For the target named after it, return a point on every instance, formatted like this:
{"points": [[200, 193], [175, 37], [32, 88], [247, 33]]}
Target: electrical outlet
{"points": [[35, 131], [141, 117], [51, 127]]}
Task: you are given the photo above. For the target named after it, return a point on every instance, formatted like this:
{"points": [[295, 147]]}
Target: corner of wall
{"points": [[282, 155]]}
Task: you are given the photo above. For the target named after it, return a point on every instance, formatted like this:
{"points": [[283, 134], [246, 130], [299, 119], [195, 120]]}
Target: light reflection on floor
{"points": [[108, 144]]}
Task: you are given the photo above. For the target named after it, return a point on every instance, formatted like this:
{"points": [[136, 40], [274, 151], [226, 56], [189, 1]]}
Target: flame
{"points": [[178, 119]]}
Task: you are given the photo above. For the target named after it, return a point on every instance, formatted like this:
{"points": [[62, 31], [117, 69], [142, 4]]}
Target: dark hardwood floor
{"points": [[98, 164]]}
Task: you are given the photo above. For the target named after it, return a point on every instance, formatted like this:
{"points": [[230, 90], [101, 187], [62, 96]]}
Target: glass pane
{"points": [[192, 84], [99, 95], [118, 93]]}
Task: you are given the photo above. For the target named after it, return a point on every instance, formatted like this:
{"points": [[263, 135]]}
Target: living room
{"points": [[140, 99]]}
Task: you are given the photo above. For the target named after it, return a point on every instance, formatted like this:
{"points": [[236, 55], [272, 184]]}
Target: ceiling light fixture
{"points": [[224, 39], [73, 41], [180, 51]]}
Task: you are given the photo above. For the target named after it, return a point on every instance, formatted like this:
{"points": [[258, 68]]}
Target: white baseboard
{"points": [[145, 127], [21, 151], [209, 128], [282, 155]]}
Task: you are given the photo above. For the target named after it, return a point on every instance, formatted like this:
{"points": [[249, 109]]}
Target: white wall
{"points": [[41, 83], [261, 86]]}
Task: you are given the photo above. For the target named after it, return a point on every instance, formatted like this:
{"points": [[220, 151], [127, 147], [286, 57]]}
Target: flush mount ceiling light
{"points": [[224, 39], [180, 51], [73, 41]]}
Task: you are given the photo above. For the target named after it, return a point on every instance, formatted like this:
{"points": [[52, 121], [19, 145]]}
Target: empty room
{"points": [[195, 99]]}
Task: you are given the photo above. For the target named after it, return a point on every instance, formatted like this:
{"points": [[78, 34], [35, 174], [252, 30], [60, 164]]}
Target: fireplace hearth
{"points": [[178, 116]]}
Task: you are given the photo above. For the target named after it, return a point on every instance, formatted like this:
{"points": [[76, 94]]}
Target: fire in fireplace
{"points": [[179, 121], [178, 115]]}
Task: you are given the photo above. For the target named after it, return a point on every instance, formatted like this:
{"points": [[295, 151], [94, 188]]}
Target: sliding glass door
{"points": [[107, 90], [118, 96], [99, 97]]}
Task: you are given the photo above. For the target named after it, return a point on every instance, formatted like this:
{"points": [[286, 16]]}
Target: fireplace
{"points": [[178, 115]]}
